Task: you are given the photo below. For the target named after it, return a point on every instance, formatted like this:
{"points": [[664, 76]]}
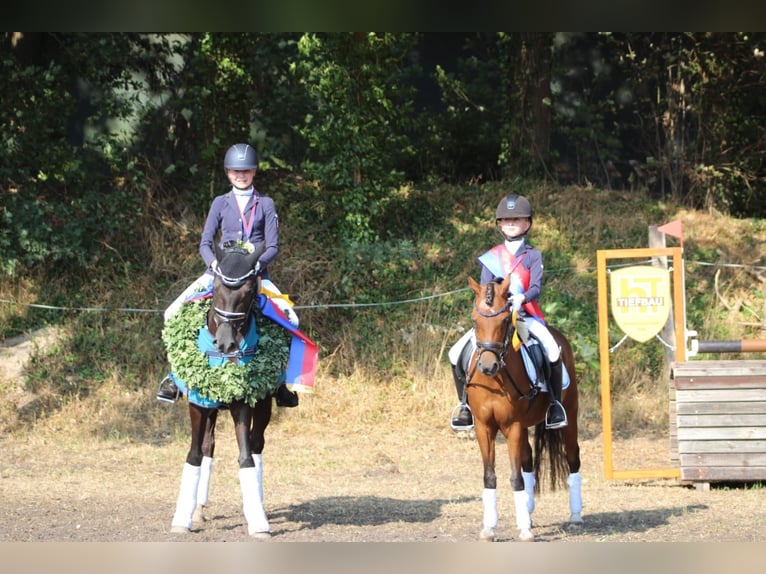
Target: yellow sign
{"points": [[641, 301]]}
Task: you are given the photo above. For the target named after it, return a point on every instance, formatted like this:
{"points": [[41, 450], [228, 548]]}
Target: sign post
{"points": [[640, 304]]}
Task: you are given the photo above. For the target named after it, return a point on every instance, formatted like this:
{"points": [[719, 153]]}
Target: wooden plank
{"points": [[731, 381], [714, 433], [722, 420], [720, 395], [724, 459], [703, 446], [724, 473], [710, 368], [710, 408], [646, 473]]}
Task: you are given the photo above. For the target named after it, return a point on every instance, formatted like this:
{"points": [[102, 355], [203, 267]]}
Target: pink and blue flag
{"points": [[304, 353]]}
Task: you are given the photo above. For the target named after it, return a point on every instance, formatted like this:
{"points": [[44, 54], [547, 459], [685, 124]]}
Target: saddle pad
{"points": [[532, 371], [193, 396]]}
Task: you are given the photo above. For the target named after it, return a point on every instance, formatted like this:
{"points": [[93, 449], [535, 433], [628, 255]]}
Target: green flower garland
{"points": [[250, 382]]}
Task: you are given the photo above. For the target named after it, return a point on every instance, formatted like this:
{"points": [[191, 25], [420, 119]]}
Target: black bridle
{"points": [[236, 319], [500, 350]]}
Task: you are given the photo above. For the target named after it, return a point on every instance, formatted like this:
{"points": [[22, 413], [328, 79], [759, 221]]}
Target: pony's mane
{"points": [[489, 296]]}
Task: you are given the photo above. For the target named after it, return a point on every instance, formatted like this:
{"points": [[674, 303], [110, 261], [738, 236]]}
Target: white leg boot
{"points": [[574, 482], [258, 460], [523, 519], [203, 489], [252, 503], [187, 499], [489, 499], [529, 488]]}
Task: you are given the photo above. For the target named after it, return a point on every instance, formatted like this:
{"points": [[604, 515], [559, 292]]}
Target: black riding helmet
{"points": [[240, 157], [512, 206]]}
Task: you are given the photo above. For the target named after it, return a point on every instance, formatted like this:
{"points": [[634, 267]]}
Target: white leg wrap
{"points": [[206, 468], [489, 498], [187, 497], [529, 488], [258, 460], [574, 482], [252, 504], [520, 500]]}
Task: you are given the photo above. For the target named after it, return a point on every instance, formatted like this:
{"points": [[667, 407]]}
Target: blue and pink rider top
{"points": [[256, 222], [526, 270]]}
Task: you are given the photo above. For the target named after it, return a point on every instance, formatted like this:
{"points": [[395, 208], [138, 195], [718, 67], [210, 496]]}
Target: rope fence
{"points": [[356, 305]]}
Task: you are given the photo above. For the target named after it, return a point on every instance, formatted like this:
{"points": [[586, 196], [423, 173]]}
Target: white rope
{"points": [[621, 341], [668, 345], [353, 305]]}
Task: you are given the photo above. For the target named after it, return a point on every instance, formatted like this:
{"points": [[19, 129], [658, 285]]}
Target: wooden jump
{"points": [[720, 415]]}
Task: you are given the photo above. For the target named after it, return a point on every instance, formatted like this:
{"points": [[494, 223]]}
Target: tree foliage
{"points": [[91, 121], [356, 127]]}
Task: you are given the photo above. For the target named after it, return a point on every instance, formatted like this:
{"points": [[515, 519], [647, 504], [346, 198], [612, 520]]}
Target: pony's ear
{"points": [[218, 251], [475, 287], [505, 284], [259, 249], [253, 258]]}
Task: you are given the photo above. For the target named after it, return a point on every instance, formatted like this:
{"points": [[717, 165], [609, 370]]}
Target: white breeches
{"points": [[205, 282], [538, 329], [541, 332]]}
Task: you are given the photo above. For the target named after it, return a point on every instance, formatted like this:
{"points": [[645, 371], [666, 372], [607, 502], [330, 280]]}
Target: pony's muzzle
{"points": [[489, 368]]}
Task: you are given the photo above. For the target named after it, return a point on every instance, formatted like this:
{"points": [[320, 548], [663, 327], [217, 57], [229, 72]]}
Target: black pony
{"points": [[235, 290]]}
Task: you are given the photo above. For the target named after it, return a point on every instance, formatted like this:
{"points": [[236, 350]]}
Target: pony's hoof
{"points": [[525, 535], [176, 529], [575, 519], [487, 535], [260, 535], [199, 516]]}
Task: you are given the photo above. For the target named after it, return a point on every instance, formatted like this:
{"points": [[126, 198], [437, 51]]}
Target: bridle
{"points": [[234, 282], [235, 319], [499, 350]]}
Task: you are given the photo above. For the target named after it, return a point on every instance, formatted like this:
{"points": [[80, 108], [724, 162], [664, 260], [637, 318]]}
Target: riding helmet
{"points": [[513, 205], [241, 156]]}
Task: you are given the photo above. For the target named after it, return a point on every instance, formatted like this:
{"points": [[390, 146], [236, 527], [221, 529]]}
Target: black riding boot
{"points": [[168, 392], [556, 416], [285, 397], [462, 419]]}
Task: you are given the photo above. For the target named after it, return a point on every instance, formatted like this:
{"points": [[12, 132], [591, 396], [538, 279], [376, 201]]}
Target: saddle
{"points": [[536, 362]]}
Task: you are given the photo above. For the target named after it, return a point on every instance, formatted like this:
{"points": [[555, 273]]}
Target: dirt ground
{"points": [[381, 484], [337, 479]]}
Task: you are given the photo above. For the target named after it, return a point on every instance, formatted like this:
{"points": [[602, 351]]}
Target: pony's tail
{"points": [[552, 441]]}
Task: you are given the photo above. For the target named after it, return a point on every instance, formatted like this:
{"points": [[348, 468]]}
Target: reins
{"points": [[500, 350]]}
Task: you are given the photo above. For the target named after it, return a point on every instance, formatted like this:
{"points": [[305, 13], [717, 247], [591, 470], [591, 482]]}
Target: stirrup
{"points": [[560, 424], [165, 385], [454, 414]]}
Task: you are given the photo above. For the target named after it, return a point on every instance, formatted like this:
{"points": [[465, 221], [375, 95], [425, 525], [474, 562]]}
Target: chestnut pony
{"points": [[503, 398], [235, 289]]}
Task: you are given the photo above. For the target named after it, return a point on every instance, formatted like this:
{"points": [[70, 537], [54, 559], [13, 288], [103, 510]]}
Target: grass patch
{"points": [[384, 361]]}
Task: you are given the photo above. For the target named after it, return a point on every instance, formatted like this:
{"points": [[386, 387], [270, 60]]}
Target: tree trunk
{"points": [[530, 112]]}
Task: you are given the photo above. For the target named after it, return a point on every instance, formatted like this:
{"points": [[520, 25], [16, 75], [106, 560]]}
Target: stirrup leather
{"points": [[454, 414]]}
